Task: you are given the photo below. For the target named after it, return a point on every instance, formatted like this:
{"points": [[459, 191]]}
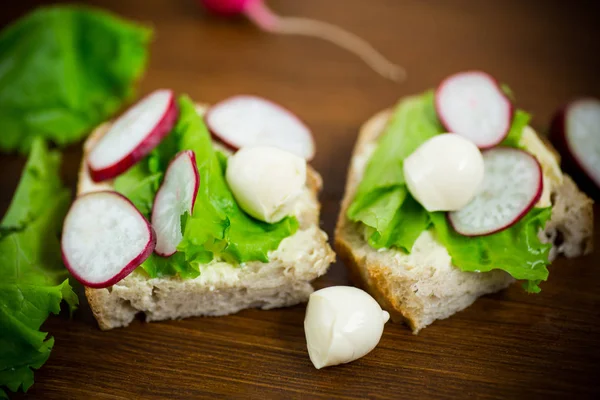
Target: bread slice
{"points": [[221, 288], [424, 286]]}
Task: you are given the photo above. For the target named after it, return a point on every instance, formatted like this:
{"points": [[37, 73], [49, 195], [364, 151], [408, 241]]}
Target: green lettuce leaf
{"points": [[380, 197], [516, 250], [218, 228], [409, 221], [393, 218], [31, 198], [139, 185], [63, 70], [33, 280], [218, 225], [175, 265], [520, 121]]}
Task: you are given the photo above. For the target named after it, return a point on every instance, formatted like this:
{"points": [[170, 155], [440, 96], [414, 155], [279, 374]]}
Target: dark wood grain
{"points": [[509, 345]]}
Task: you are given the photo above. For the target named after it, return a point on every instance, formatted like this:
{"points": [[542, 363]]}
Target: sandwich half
{"points": [[422, 285], [221, 287]]}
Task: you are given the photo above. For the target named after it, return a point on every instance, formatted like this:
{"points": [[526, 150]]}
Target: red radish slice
{"points": [[576, 132], [473, 105], [244, 120], [512, 184], [104, 239], [176, 195], [133, 135]]}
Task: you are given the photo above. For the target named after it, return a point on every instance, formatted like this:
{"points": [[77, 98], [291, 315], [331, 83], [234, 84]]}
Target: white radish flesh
{"points": [[576, 132], [176, 196], [104, 239], [133, 135], [512, 185], [473, 105], [242, 121]]}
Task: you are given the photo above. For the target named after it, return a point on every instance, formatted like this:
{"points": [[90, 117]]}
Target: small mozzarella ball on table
{"points": [[342, 324]]}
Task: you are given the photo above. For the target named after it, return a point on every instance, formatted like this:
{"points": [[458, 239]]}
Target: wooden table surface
{"points": [[509, 345]]}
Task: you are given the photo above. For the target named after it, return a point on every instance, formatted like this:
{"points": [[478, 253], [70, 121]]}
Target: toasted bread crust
{"points": [[371, 277], [572, 207], [372, 280], [112, 310], [98, 304]]}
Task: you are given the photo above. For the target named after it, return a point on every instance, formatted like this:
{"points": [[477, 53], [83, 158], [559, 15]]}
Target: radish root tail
{"points": [[268, 21]]}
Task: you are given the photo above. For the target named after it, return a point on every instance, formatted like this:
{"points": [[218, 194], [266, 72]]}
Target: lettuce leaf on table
{"points": [[33, 280], [63, 70], [393, 218], [218, 228]]}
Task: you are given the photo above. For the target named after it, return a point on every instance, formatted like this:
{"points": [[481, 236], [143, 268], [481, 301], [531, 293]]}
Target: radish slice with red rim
{"points": [[133, 135], [512, 185], [473, 105], [576, 132], [104, 239], [242, 121], [176, 196]]}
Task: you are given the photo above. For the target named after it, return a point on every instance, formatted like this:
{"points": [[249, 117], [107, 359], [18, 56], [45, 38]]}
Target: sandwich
{"points": [[167, 224], [452, 195]]}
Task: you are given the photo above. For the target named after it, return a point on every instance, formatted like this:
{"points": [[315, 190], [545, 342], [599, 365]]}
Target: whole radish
{"points": [[265, 19], [227, 7]]}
